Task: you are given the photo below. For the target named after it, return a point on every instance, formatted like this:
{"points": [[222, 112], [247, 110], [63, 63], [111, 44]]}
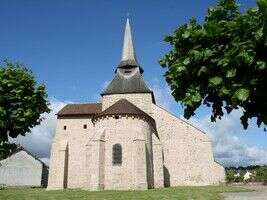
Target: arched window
{"points": [[116, 154]]}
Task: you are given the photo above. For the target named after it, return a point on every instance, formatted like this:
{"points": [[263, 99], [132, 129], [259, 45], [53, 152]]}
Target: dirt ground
{"points": [[259, 193]]}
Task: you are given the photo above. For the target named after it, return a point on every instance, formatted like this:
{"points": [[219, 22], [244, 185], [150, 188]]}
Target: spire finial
{"points": [[128, 56]]}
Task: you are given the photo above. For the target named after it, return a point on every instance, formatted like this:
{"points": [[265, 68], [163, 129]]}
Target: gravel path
{"points": [[260, 193]]}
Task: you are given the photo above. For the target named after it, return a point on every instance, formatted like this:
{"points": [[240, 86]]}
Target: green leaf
{"points": [[196, 97], [224, 91], [214, 81], [207, 54], [241, 94], [186, 34], [231, 73], [168, 38], [223, 62], [180, 69], [196, 55], [202, 70], [186, 61], [253, 81], [162, 63], [261, 65]]}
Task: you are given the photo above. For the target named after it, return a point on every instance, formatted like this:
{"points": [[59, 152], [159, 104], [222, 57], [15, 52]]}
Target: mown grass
{"points": [[178, 193]]}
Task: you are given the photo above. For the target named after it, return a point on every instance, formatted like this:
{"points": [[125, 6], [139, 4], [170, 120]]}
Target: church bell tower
{"points": [[128, 74]]}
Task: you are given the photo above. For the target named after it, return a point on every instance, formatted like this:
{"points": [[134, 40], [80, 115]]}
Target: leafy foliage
{"points": [[221, 63], [6, 149], [258, 174], [230, 176], [261, 174], [22, 101]]}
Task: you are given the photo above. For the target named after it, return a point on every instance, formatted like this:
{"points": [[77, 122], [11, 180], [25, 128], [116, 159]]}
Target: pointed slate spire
{"points": [[128, 57], [128, 77]]}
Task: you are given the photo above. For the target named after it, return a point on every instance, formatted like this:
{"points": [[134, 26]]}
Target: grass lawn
{"points": [[183, 193]]}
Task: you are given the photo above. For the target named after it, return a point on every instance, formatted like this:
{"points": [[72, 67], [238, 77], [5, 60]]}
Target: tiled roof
{"points": [[123, 107], [80, 109]]}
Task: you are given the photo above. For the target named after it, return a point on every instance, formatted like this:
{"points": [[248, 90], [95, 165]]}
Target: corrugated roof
{"points": [[80, 109]]}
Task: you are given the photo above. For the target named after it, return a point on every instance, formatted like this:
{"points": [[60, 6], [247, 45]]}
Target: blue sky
{"points": [[73, 46]]}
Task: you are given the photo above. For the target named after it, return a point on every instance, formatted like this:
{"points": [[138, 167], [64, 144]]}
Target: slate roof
{"points": [[128, 57], [122, 85], [80, 109]]}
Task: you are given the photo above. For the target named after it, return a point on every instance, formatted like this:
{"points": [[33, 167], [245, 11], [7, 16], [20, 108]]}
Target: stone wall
{"points": [[133, 134], [158, 171], [188, 156], [142, 101], [76, 137]]}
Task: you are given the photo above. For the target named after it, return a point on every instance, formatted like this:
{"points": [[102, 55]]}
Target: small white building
{"points": [[247, 176], [237, 175], [23, 169]]}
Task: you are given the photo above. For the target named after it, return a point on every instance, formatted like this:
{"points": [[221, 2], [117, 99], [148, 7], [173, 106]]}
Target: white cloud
{"points": [[228, 147], [39, 140]]}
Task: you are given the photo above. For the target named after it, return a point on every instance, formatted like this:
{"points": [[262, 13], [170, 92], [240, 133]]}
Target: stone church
{"points": [[127, 141]]}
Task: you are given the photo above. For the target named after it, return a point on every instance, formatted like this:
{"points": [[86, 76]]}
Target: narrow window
{"points": [[127, 71], [65, 127], [85, 126], [116, 154]]}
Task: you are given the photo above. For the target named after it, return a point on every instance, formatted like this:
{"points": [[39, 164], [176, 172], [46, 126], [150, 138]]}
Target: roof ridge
{"points": [[80, 109], [83, 103], [21, 148]]}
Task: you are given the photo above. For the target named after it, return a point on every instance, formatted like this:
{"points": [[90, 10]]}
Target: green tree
{"points": [[261, 174], [7, 149], [230, 176], [22, 102], [221, 63]]}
